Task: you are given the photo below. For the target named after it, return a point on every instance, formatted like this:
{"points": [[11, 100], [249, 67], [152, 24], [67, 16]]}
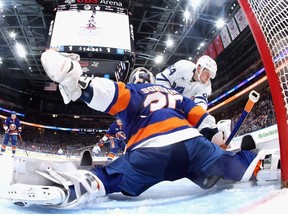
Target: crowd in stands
{"points": [[261, 116]]}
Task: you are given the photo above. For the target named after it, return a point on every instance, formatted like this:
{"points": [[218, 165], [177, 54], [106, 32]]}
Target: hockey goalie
{"points": [[164, 136]]}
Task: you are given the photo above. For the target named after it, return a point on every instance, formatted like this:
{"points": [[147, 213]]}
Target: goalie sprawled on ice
{"points": [[164, 143]]}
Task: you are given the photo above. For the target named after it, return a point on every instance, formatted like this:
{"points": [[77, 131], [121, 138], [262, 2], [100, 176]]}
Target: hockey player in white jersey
{"points": [[164, 143], [194, 81], [189, 79]]}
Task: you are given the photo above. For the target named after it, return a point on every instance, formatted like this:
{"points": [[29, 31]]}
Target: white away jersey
{"points": [[179, 77]]}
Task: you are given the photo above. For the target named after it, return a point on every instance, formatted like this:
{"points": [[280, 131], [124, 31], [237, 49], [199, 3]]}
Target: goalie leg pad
{"points": [[26, 195], [71, 190], [87, 189], [26, 169], [270, 170]]}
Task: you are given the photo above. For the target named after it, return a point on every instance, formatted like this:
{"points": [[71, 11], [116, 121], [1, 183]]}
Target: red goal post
{"points": [[268, 21]]}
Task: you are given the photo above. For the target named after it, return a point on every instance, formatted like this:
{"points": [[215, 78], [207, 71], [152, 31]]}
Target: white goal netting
{"points": [[272, 16]]}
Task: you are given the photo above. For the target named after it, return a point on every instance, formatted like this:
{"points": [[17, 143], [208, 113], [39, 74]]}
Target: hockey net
{"points": [[268, 21]]}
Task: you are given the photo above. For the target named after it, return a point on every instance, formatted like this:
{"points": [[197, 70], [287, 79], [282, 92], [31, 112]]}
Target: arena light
{"points": [[220, 23], [21, 50], [12, 35], [202, 44], [158, 59], [195, 3], [169, 43], [186, 15]]}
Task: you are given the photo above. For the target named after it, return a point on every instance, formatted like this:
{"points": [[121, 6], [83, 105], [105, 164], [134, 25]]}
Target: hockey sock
{"points": [[13, 150], [3, 148]]}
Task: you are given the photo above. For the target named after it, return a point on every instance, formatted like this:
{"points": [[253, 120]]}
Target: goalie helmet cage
{"points": [[268, 21]]}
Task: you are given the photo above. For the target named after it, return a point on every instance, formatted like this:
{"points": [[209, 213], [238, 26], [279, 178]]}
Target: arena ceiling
{"points": [[154, 21]]}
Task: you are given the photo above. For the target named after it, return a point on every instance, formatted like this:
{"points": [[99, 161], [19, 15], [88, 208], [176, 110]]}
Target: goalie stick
{"points": [[253, 98], [88, 147]]}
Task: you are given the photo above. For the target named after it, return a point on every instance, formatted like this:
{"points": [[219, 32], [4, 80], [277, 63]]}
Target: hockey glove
{"points": [[214, 135], [224, 128], [6, 129], [64, 69]]}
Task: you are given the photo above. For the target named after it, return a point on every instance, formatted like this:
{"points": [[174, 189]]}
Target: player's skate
{"points": [[64, 190]]}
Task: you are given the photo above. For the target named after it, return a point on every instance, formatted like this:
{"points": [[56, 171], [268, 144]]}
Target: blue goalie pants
{"points": [[195, 159]]}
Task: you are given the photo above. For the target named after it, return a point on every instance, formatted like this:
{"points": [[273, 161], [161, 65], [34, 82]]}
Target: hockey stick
{"points": [[253, 98], [87, 147], [21, 142]]}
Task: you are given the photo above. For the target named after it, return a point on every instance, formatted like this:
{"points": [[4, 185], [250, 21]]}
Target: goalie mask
{"points": [[141, 75], [208, 63]]}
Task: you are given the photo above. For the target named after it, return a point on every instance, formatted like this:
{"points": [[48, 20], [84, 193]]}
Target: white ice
{"points": [[179, 197]]}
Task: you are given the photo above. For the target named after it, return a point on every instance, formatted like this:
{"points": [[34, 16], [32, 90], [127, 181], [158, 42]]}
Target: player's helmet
{"points": [[141, 75], [208, 63], [13, 113]]}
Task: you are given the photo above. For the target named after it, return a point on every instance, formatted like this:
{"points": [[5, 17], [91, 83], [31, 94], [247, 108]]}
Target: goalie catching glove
{"points": [[65, 69], [69, 190]]}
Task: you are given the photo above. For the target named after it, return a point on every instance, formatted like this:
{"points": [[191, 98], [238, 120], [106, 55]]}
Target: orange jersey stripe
{"points": [[123, 99], [195, 115], [156, 128]]}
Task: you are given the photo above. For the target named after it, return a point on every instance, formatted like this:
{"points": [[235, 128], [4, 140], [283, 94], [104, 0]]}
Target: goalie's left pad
{"points": [[67, 190]]}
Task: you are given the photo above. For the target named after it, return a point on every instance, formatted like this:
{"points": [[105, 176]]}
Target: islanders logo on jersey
{"points": [[12, 127]]}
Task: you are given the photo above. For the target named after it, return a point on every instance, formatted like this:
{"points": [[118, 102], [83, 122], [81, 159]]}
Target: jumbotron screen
{"points": [[91, 29]]}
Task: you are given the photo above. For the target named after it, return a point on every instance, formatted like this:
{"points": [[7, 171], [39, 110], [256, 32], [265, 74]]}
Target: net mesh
{"points": [[272, 16]]}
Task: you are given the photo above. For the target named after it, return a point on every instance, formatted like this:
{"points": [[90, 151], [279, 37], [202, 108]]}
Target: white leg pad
{"points": [[27, 195], [271, 166], [66, 188], [24, 170]]}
